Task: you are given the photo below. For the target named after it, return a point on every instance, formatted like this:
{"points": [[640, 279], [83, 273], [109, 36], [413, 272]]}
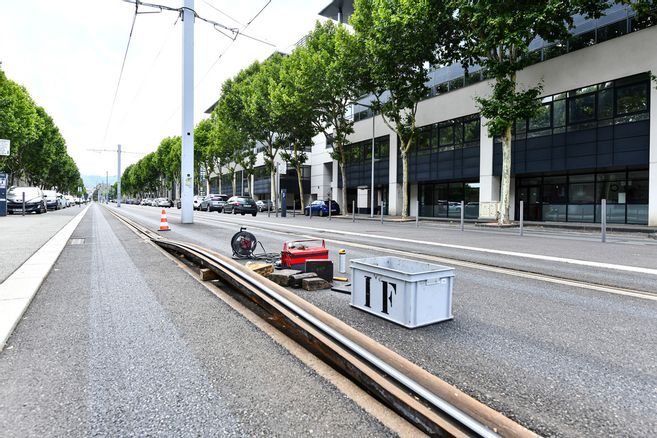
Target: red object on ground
{"points": [[164, 224], [296, 252]]}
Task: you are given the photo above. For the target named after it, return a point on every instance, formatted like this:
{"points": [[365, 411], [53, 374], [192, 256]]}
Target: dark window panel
{"points": [[631, 99], [606, 103], [542, 119], [581, 41], [612, 30], [581, 109]]}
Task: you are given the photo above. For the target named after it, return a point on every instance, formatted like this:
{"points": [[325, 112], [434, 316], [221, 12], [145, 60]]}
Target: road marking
{"points": [[588, 263], [505, 271]]}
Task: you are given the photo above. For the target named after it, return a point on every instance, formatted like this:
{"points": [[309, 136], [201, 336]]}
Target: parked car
{"points": [[163, 202], [320, 208], [265, 205], [213, 202], [242, 205], [70, 200], [145, 201], [196, 202], [53, 200], [34, 200]]}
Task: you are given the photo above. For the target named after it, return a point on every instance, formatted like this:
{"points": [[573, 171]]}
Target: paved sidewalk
{"points": [[21, 236]]}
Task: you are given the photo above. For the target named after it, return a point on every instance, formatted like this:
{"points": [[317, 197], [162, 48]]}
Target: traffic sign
{"points": [[4, 147]]}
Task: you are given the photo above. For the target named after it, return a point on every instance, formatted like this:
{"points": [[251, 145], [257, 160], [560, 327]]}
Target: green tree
{"points": [[205, 148], [19, 123], [402, 38], [246, 158], [324, 74], [255, 85], [232, 134], [496, 35]]}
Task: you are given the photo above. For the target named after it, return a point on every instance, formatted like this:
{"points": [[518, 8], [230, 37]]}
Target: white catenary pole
{"points": [[187, 163], [118, 177]]}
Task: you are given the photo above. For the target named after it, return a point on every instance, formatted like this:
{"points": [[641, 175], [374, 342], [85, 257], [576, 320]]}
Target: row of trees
{"points": [[38, 151], [282, 103]]}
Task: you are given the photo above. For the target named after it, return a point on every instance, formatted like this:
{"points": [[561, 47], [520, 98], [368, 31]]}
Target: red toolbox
{"points": [[296, 252]]}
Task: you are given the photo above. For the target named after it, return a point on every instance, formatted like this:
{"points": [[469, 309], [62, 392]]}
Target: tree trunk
{"points": [[343, 172], [404, 184], [505, 188], [298, 168]]}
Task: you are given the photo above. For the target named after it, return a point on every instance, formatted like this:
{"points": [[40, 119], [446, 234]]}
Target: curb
{"points": [[18, 290]]}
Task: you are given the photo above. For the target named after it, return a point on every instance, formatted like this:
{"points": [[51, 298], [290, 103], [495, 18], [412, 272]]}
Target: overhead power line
{"points": [[118, 84], [146, 76], [221, 54], [222, 12]]}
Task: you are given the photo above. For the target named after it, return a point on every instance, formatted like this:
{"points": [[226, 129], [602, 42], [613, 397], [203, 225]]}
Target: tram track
{"points": [[514, 272], [427, 402]]}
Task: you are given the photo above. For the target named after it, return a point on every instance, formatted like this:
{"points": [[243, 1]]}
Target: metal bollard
{"points": [[462, 215], [381, 214], [329, 207], [522, 217], [417, 216], [310, 211], [353, 211], [342, 261], [23, 203], [268, 209], [294, 211], [603, 220]]}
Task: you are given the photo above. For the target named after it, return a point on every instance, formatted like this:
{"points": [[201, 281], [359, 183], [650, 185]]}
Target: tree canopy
{"points": [[402, 39], [38, 153]]}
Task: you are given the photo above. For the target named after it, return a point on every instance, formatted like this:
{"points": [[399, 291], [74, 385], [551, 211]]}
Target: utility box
{"points": [[3, 194], [296, 252], [407, 292]]}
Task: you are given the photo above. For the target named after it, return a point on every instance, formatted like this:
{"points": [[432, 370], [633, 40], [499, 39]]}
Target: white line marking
{"points": [[587, 263], [505, 271]]}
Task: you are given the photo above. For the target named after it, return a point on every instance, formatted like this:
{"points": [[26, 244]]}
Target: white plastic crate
{"points": [[407, 292]]}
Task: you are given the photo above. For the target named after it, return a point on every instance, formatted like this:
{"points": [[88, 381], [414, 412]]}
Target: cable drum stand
{"points": [[244, 244]]}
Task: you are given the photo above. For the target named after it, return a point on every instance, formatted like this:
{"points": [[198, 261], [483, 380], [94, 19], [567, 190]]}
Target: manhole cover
{"points": [[76, 241]]}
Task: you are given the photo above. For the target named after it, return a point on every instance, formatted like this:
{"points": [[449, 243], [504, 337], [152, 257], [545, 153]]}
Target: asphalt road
{"points": [[561, 360], [121, 342]]}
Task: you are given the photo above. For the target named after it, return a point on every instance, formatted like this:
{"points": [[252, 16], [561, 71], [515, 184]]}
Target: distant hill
{"points": [[92, 180]]}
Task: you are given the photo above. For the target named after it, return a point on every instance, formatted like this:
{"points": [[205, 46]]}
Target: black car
{"points": [[34, 200], [241, 204]]}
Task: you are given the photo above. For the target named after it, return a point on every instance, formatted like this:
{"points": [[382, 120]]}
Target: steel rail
{"points": [[429, 403], [460, 261]]}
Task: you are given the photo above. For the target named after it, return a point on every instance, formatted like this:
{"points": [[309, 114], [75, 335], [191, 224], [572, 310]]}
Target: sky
{"points": [[68, 54]]}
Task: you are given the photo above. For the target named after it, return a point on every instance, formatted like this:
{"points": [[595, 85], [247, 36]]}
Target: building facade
{"points": [[595, 137]]}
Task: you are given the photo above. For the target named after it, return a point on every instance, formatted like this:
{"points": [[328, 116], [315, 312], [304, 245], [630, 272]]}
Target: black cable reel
{"points": [[243, 244]]}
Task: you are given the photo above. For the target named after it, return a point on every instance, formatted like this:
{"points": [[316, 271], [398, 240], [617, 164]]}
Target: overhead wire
{"points": [[150, 68], [118, 84], [222, 12], [222, 53], [232, 42]]}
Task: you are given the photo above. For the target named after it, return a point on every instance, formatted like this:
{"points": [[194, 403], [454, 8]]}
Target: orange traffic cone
{"points": [[164, 225]]}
